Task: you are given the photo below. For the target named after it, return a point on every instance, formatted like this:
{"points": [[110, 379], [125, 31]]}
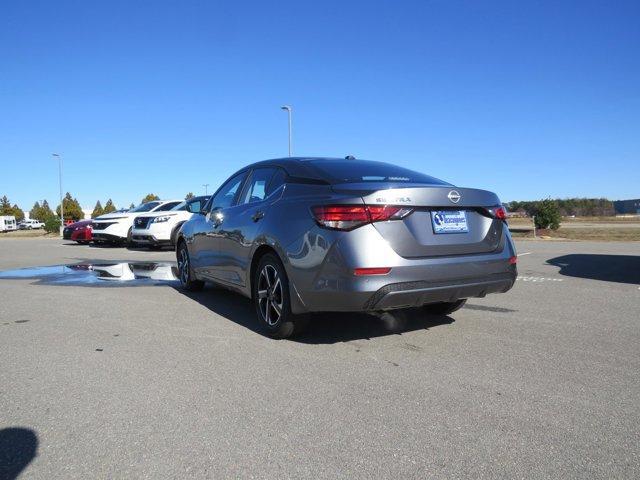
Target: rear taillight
{"points": [[348, 217], [498, 212]]}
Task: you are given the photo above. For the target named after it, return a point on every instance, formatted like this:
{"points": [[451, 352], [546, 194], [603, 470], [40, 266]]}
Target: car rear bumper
{"points": [[324, 279], [355, 295], [415, 294]]}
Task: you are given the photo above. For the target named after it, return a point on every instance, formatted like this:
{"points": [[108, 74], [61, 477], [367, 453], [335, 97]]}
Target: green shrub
{"points": [[52, 225], [547, 214]]}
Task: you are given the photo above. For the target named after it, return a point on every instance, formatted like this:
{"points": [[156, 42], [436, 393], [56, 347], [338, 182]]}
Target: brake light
{"points": [[513, 260], [500, 213], [372, 271], [348, 217]]}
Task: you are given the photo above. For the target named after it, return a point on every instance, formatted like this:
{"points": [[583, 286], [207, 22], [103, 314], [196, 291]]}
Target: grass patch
{"points": [[594, 234], [27, 234]]}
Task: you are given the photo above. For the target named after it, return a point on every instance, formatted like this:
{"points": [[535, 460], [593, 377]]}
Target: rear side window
{"points": [[256, 190], [359, 171], [195, 205], [277, 180]]}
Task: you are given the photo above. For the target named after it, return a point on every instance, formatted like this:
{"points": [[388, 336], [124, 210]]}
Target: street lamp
{"points": [[206, 188], [288, 109], [55, 155]]}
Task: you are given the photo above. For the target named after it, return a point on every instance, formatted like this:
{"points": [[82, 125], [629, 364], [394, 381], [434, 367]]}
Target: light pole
{"points": [[206, 188], [55, 155], [288, 109]]}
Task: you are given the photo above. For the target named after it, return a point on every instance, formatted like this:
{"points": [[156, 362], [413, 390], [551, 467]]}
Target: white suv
{"points": [[161, 228], [116, 227]]}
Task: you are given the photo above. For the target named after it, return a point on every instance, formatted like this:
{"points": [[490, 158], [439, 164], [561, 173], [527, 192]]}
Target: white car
{"points": [[30, 224], [161, 228], [116, 227]]}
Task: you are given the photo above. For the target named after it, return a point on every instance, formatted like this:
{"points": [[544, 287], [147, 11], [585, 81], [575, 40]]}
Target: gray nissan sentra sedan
{"points": [[301, 235]]}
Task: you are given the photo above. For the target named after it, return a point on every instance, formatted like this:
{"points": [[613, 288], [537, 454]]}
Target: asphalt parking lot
{"points": [[143, 381]]}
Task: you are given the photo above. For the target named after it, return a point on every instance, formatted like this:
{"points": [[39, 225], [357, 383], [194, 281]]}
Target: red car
{"points": [[80, 232]]}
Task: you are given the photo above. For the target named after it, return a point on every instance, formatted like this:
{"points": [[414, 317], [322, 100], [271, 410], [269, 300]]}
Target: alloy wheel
{"points": [[183, 266], [270, 297]]}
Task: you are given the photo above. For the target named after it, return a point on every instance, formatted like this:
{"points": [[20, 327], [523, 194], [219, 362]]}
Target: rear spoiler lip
{"points": [[365, 188], [436, 196]]}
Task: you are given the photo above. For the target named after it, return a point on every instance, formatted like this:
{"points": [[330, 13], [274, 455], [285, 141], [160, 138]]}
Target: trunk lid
{"points": [[415, 235]]}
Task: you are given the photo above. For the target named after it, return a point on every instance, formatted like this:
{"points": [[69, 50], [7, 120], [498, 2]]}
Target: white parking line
{"points": [[525, 253], [538, 279]]}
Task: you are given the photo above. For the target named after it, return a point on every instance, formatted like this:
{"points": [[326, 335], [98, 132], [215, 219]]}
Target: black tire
{"points": [[128, 242], [174, 234], [444, 308], [185, 272], [270, 293]]}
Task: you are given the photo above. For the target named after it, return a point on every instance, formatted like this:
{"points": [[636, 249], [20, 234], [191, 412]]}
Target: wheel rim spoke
{"points": [[265, 274], [268, 312], [184, 266], [270, 295]]}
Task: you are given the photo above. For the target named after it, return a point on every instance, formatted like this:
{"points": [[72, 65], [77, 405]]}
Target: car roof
{"points": [[294, 166]]}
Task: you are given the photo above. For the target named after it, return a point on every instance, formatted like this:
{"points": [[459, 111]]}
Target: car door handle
{"points": [[257, 216]]}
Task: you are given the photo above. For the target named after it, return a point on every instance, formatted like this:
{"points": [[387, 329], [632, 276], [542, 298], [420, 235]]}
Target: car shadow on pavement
{"points": [[608, 268], [323, 328], [18, 447]]}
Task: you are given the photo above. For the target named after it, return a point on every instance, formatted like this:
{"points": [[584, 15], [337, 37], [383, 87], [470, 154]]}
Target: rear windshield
{"points": [[358, 171]]}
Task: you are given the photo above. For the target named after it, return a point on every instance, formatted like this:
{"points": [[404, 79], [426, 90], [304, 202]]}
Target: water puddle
{"points": [[99, 274]]}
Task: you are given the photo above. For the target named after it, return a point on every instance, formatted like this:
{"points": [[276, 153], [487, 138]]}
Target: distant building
{"points": [[517, 214], [622, 207]]}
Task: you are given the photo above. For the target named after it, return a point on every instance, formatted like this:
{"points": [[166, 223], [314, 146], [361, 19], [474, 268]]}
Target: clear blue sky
{"points": [[528, 99]]}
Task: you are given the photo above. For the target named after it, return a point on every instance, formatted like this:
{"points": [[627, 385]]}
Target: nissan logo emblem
{"points": [[454, 196]]}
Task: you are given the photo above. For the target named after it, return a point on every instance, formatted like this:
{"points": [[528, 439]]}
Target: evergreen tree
{"points": [[547, 214], [189, 196], [150, 197], [97, 210], [45, 212], [35, 211], [17, 212], [108, 207], [131, 206], [5, 206], [72, 209], [7, 209]]}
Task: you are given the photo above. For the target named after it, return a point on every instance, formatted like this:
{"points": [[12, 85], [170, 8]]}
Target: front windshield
{"points": [[180, 206], [145, 207]]}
